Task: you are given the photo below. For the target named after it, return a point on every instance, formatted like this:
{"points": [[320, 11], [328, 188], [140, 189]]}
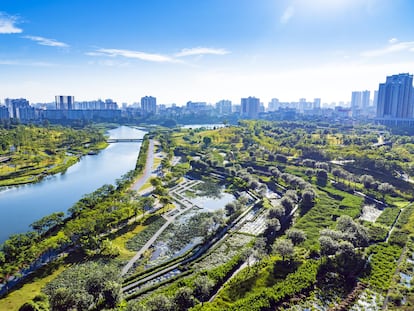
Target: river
{"points": [[22, 205]]}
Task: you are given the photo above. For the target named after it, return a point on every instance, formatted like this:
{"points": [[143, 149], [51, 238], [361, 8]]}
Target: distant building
{"points": [[197, 107], [149, 105], [262, 108], [375, 100], [342, 112], [4, 112], [273, 105], [20, 109], [236, 109], [356, 103], [250, 107], [65, 102], [396, 97], [224, 107], [304, 105], [365, 100], [316, 103], [99, 104]]}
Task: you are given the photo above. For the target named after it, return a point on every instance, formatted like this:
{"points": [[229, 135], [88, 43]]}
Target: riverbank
{"points": [[29, 289], [22, 205], [41, 152], [36, 174]]}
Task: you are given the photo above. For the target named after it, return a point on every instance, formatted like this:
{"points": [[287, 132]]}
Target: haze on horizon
{"points": [[202, 50]]}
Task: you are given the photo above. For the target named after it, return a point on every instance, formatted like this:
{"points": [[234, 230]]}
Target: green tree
{"points": [[367, 180], [322, 177], [284, 248], [276, 212], [202, 287], [287, 204], [386, 188], [44, 224], [160, 303], [207, 141], [184, 299], [328, 246], [296, 236]]}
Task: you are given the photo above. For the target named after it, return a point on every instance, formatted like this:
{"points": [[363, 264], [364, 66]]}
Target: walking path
{"points": [[148, 168], [223, 235], [147, 245]]}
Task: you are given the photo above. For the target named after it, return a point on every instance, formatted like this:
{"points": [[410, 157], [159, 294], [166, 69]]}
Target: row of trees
{"points": [[89, 221]]}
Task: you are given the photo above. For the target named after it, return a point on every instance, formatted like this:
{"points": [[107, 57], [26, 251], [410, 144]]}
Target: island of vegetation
{"points": [[259, 216], [29, 153]]}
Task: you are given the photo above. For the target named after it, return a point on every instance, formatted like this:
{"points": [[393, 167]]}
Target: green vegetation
{"points": [[306, 184], [152, 224], [383, 262], [33, 152]]}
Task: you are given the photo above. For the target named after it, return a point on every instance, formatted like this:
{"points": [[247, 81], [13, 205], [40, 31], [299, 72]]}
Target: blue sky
{"points": [[202, 50]]}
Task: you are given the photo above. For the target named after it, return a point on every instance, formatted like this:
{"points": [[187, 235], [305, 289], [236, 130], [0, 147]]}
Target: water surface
{"points": [[20, 206]]}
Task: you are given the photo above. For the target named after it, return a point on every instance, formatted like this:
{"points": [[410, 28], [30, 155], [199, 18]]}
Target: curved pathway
{"points": [[149, 163]]}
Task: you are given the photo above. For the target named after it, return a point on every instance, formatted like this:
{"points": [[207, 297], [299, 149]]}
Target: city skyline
{"points": [[187, 50]]}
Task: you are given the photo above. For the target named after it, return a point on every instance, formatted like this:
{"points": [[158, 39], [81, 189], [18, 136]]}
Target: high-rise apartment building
{"points": [[99, 104], [396, 97], [273, 105], [365, 98], [250, 107], [64, 102], [4, 112], [375, 99], [360, 102], [356, 102], [148, 105], [316, 103], [224, 107], [20, 108]]}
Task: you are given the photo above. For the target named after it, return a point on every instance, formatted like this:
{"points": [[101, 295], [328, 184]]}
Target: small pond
{"points": [[212, 204], [406, 279], [370, 213]]}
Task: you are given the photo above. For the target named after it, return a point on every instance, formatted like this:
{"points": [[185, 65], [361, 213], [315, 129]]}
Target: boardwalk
{"points": [[147, 245]]}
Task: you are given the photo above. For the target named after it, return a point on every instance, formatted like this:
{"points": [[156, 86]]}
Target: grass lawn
{"points": [[146, 185], [28, 291], [124, 253], [157, 162]]}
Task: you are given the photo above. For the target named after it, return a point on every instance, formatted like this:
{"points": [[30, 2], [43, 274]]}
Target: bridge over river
{"points": [[123, 140]]}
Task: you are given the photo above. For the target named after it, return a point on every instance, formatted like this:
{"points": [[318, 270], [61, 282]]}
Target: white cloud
{"points": [[26, 63], [46, 41], [287, 14], [160, 58], [201, 51], [393, 47], [7, 24], [8, 62], [133, 54]]}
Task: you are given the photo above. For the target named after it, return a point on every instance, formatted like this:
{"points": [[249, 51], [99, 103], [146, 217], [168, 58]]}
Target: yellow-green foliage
{"points": [[35, 151], [383, 262]]}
